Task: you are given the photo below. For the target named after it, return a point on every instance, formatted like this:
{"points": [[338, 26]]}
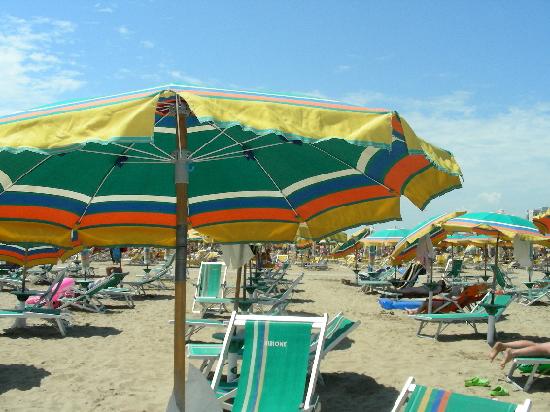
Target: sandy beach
{"points": [[122, 360]]}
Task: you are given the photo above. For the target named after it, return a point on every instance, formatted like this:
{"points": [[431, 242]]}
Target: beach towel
{"points": [[522, 252], [66, 286], [425, 251], [237, 255]]}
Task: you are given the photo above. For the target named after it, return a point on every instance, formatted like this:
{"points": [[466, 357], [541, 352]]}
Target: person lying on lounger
{"points": [[468, 297], [519, 348]]}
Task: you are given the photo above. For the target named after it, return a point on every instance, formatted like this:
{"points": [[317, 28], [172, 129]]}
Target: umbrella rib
{"points": [[354, 168], [162, 151], [224, 132], [222, 156], [118, 154], [278, 188], [25, 174], [221, 132], [141, 151], [98, 188]]}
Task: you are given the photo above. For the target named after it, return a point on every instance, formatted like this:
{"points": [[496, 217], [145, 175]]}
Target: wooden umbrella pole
{"points": [[496, 262], [238, 288], [181, 182]]}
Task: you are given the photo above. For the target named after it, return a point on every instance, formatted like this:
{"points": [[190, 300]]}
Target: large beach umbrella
{"points": [[469, 239], [385, 237], [428, 232], [136, 168], [499, 225], [405, 249], [352, 244], [542, 221], [28, 255]]}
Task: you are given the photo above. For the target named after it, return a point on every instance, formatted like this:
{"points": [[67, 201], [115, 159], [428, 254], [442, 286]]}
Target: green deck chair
{"points": [[269, 343], [89, 300], [477, 315], [529, 365], [337, 329], [456, 269], [502, 280], [420, 398], [152, 281], [209, 287]]}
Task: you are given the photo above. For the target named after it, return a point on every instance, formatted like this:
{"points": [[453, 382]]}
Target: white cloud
{"points": [[343, 68], [503, 155], [179, 76], [32, 71], [147, 44], [493, 198], [102, 8], [124, 31]]}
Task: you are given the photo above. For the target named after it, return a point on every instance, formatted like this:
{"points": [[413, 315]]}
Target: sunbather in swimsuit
{"points": [[519, 348]]}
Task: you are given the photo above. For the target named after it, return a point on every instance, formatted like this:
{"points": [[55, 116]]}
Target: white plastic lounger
{"points": [[535, 364]]}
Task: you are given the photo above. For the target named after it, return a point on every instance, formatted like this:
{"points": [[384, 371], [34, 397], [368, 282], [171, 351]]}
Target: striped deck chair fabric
{"points": [[420, 398], [275, 362]]}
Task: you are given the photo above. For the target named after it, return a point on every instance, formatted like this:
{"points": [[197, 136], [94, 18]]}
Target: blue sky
{"points": [[471, 77]]}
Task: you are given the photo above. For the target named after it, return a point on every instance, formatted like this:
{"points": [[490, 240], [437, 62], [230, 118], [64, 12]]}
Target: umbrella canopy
{"points": [[352, 244], [103, 169], [385, 237], [499, 225], [136, 168], [29, 255], [542, 221], [468, 239], [405, 249]]}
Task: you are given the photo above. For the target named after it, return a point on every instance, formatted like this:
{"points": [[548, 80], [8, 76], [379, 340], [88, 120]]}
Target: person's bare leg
{"points": [[537, 349], [502, 346]]}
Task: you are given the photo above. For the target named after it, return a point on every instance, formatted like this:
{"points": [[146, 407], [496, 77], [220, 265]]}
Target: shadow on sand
{"points": [[153, 297], [21, 377], [51, 332], [353, 392]]}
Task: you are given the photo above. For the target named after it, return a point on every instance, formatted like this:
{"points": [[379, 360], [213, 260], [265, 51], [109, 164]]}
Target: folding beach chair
{"points": [[338, 328], [43, 308], [477, 315], [210, 286], [11, 278], [89, 299], [455, 270], [165, 268], [536, 294], [414, 397], [529, 365], [151, 281], [503, 281], [269, 343]]}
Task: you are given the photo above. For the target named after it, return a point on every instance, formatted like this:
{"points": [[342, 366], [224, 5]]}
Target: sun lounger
{"points": [[535, 294], [414, 397], [269, 343], [43, 309], [151, 281], [321, 265], [477, 315], [535, 364], [89, 299]]}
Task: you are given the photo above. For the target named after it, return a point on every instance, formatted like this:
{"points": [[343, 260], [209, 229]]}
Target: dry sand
{"points": [[122, 360]]}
